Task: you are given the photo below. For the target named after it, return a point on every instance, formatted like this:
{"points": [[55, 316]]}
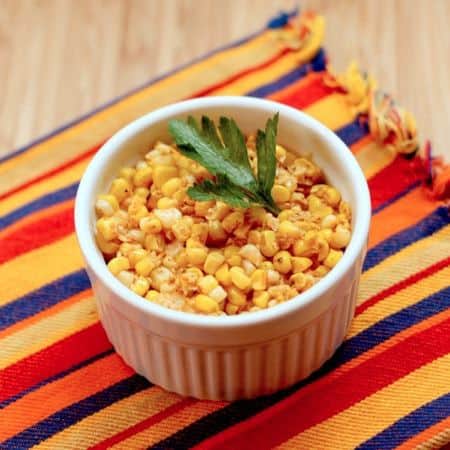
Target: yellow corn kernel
{"points": [[323, 249], [171, 186], [329, 221], [273, 277], [252, 253], [282, 262], [136, 255], [286, 214], [166, 203], [289, 230], [125, 277], [231, 309], [118, 264], [248, 266], [143, 177], [333, 258], [196, 255], [152, 295], [219, 294], [236, 296], [327, 193], [269, 245], [326, 234], [232, 221], [205, 304], [300, 263], [150, 224], [107, 228], [191, 276], [234, 260], [140, 213], [193, 243], [221, 210], [106, 205], [344, 208], [182, 229], [267, 265], [207, 284], [320, 271], [339, 239], [179, 196], [199, 232], [231, 250], [160, 277], [127, 173], [280, 153], [323, 212], [254, 237], [213, 261], [259, 280], [298, 280], [216, 234], [257, 215], [154, 242], [239, 278], [314, 203], [242, 231], [140, 286], [223, 275], [120, 188], [306, 246], [162, 174], [168, 216], [281, 194], [142, 192], [144, 266], [202, 208], [106, 247], [261, 299]]}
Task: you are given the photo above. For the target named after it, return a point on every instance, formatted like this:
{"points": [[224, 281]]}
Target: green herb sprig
{"points": [[225, 156]]}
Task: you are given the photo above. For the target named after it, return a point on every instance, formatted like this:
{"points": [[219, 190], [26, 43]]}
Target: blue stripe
{"points": [[410, 425], [58, 376], [353, 132], [432, 223], [76, 412], [43, 298], [45, 201], [396, 197]]}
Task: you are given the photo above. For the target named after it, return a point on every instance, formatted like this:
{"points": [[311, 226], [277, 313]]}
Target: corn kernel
{"points": [[281, 194], [234, 260], [150, 224], [127, 173], [252, 253], [166, 203], [242, 232], [254, 237], [205, 304], [140, 286], [106, 205], [200, 232], [340, 238], [154, 242], [125, 277], [196, 255], [207, 284], [269, 245], [160, 277], [127, 247], [152, 295], [193, 243], [118, 264], [259, 280], [182, 229], [282, 262], [213, 261], [298, 280], [168, 216], [273, 277], [236, 296], [202, 208], [136, 255], [267, 265], [162, 174], [120, 188], [144, 266], [140, 213], [257, 215], [314, 203], [219, 294], [232, 221], [239, 278], [280, 153], [221, 210], [216, 235], [329, 221], [248, 266], [320, 271], [344, 208], [107, 227], [143, 177], [323, 249], [333, 258], [261, 299], [106, 247], [326, 234], [231, 309], [327, 193], [289, 230], [286, 214], [223, 275], [171, 186], [142, 192]]}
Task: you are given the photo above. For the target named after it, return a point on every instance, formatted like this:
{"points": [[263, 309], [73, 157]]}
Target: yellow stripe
{"points": [[402, 299], [170, 425], [374, 158], [47, 331], [32, 270], [112, 420], [372, 415], [412, 259]]}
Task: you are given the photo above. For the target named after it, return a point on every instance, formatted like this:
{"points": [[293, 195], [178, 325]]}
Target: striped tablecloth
{"points": [[63, 387]]}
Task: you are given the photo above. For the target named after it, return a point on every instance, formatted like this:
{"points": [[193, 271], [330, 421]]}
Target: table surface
{"points": [[61, 58]]}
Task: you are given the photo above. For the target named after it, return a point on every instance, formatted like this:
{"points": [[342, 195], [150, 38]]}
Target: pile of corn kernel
{"points": [[210, 258]]}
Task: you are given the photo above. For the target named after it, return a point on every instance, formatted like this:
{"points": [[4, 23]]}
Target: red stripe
{"points": [[51, 172], [52, 360], [141, 426], [394, 179], [37, 233], [391, 290], [334, 393]]}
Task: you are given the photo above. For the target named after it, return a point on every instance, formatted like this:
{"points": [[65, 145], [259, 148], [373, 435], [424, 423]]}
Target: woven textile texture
{"points": [[62, 386]]}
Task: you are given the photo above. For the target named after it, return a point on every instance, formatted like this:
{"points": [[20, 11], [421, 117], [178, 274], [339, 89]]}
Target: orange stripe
{"points": [[359, 145], [426, 435], [47, 400]]}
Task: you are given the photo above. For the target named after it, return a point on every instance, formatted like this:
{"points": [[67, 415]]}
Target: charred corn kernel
{"points": [[231, 309], [166, 203], [207, 284], [118, 264], [298, 280], [282, 262], [150, 224], [160, 277], [144, 266], [152, 295], [340, 238], [300, 264], [320, 271], [106, 247], [126, 277], [205, 304], [200, 232], [196, 255], [327, 193], [168, 216], [142, 192], [232, 221], [333, 258], [267, 265], [221, 210], [329, 221], [280, 153], [252, 253], [136, 255], [273, 277], [239, 278], [213, 261], [248, 266], [193, 243], [107, 227], [242, 231], [261, 299], [269, 245], [257, 215], [106, 205], [202, 208], [259, 280], [236, 296], [182, 229], [323, 249], [127, 173], [286, 214], [120, 188], [154, 242], [162, 174], [254, 237], [289, 230], [281, 194], [216, 234], [140, 286], [219, 294], [171, 186], [223, 275], [143, 176], [325, 233], [191, 276]]}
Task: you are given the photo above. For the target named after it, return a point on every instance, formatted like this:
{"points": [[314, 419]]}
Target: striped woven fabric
{"points": [[63, 386]]}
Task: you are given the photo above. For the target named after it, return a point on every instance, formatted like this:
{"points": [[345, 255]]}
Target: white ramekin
{"points": [[237, 356]]}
